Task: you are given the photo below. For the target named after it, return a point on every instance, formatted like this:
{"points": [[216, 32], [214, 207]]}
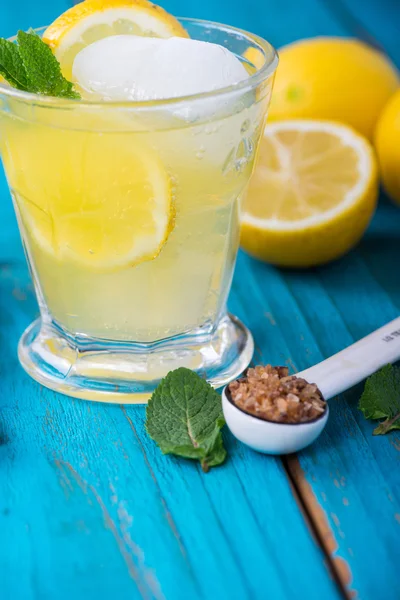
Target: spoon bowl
{"points": [[332, 376], [270, 437]]}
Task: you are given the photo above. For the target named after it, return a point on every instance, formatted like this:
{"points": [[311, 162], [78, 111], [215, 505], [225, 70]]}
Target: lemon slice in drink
{"points": [[93, 20], [312, 195], [101, 202]]}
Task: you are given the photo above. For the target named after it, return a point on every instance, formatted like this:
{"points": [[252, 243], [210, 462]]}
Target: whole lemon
{"points": [[387, 144], [333, 78]]}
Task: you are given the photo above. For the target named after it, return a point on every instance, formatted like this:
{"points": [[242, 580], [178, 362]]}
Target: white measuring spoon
{"points": [[333, 376]]}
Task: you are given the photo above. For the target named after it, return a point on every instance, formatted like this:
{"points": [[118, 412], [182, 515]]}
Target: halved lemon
{"points": [[93, 20], [312, 195], [100, 201]]}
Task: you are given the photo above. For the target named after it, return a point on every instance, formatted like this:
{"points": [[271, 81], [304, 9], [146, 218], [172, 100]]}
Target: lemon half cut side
{"points": [[312, 195]]}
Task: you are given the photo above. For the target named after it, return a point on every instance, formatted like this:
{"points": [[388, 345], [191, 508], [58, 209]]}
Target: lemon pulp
{"points": [[312, 194], [93, 20], [95, 200]]}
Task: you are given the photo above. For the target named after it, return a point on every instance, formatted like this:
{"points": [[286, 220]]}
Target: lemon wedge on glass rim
{"points": [[93, 20], [312, 195]]}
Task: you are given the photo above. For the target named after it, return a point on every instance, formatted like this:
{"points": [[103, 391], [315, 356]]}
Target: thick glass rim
{"points": [[251, 82]]}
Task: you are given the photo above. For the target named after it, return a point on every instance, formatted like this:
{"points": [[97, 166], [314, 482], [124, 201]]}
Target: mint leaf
{"points": [[381, 399], [31, 66], [11, 66], [42, 67], [184, 417], [217, 455]]}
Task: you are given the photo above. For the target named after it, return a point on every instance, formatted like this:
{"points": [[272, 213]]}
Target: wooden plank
{"points": [[375, 22], [279, 22], [341, 467], [91, 502], [319, 523], [347, 485], [235, 532], [362, 295], [352, 473], [29, 14]]}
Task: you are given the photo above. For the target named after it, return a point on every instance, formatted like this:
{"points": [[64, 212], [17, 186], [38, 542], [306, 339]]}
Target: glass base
{"points": [[125, 372]]}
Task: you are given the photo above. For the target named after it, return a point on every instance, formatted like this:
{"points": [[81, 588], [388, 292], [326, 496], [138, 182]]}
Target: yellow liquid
{"points": [[63, 164]]}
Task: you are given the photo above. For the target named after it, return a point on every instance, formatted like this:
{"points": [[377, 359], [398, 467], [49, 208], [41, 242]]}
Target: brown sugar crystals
{"points": [[272, 394]]}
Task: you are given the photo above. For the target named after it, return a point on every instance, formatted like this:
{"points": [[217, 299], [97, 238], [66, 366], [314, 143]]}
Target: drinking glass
{"points": [[111, 324]]}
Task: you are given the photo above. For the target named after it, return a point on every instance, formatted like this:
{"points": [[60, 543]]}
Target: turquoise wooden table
{"points": [[89, 508]]}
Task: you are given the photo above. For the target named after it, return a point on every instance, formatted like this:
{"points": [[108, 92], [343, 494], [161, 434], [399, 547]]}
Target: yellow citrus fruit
{"points": [[333, 78], [312, 195], [387, 137], [102, 201], [93, 20]]}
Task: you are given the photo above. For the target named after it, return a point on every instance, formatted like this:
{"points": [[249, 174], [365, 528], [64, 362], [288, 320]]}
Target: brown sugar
{"points": [[272, 394]]}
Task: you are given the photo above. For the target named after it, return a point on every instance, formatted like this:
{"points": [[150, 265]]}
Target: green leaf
{"points": [[381, 399], [42, 67], [11, 65], [184, 417], [217, 455], [31, 66]]}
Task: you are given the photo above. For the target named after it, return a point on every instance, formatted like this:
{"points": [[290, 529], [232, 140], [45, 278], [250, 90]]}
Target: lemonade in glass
{"points": [[129, 215]]}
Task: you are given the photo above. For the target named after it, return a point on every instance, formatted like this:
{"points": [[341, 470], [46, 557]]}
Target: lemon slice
{"points": [[102, 202], [254, 56], [312, 195], [93, 20]]}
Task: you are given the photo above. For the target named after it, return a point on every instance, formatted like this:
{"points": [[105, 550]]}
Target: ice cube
{"points": [[127, 67]]}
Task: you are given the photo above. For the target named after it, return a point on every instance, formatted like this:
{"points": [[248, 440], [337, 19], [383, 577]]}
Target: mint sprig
{"points": [[381, 399], [11, 65], [31, 66], [184, 417]]}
